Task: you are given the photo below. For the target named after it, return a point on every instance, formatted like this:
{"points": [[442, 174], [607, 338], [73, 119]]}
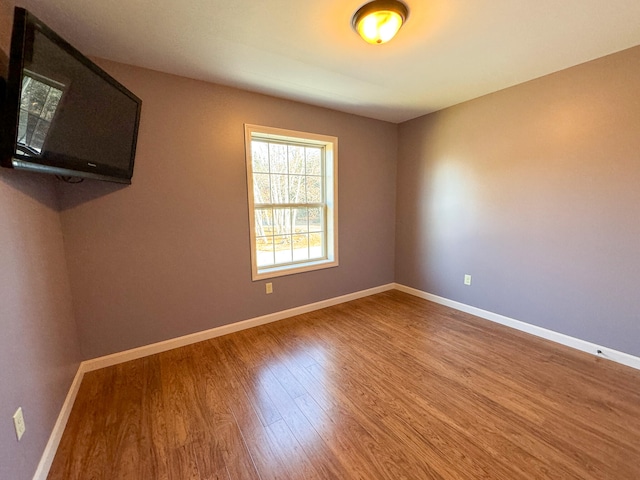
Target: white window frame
{"points": [[330, 145]]}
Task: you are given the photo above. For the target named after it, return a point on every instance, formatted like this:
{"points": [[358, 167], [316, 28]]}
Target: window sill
{"points": [[281, 271]]}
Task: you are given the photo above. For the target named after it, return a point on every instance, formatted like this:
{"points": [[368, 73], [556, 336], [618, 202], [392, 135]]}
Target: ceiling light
{"points": [[379, 21]]}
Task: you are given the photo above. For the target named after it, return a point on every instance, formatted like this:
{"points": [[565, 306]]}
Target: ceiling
{"points": [[449, 51]]}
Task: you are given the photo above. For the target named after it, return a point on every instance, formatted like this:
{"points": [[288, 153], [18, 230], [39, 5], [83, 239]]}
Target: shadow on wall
{"points": [[30, 184], [78, 193]]}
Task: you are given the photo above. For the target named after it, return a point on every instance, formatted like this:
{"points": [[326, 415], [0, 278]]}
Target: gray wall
{"points": [[39, 348], [535, 192], [169, 255]]}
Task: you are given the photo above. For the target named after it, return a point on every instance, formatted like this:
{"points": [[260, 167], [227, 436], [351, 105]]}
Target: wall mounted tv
{"points": [[62, 114]]}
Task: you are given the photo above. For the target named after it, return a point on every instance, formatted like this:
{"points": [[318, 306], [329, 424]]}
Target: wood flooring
{"points": [[386, 387]]}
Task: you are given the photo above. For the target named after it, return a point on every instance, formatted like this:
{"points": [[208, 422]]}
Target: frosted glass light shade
{"points": [[378, 22]]}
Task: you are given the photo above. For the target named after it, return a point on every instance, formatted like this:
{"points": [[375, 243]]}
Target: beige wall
{"points": [[535, 192], [170, 255]]}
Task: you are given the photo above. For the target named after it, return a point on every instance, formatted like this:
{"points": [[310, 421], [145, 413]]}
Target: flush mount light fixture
{"points": [[378, 21]]}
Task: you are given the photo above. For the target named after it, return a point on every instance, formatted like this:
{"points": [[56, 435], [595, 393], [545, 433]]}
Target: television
{"points": [[61, 113]]}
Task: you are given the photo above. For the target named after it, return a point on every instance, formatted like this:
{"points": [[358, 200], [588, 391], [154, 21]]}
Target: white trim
{"points": [[58, 429], [109, 360], [583, 345], [159, 347], [330, 203], [94, 364]]}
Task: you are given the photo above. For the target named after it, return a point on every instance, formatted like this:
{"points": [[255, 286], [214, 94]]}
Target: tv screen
{"points": [[62, 113]]}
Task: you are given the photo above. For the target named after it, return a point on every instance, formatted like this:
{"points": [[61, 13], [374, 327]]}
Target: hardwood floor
{"points": [[385, 387]]}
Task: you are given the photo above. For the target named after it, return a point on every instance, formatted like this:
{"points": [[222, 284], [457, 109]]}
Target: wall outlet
{"points": [[467, 279], [269, 288], [18, 422]]}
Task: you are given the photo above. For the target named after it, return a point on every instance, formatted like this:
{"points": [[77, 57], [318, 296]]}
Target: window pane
{"points": [[37, 96], [314, 160], [315, 245], [52, 104], [260, 156], [32, 123], [299, 220], [283, 248], [300, 247], [39, 135], [316, 220], [279, 188], [264, 222], [314, 189], [23, 128], [296, 160], [25, 97], [297, 189], [264, 251], [282, 221], [278, 158], [261, 188]]}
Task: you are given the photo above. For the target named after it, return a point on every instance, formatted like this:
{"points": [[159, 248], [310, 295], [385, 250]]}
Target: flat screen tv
{"points": [[62, 114]]}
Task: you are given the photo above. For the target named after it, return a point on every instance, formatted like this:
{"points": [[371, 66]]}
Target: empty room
{"points": [[394, 239]]}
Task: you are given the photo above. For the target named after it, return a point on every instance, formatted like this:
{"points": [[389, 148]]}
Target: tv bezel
{"points": [[24, 23]]}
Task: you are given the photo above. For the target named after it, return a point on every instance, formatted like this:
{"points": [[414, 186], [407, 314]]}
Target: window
{"points": [[39, 101], [293, 210]]}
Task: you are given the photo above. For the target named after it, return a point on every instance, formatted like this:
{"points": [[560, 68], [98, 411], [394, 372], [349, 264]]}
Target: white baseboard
{"points": [[116, 358], [108, 360], [170, 344], [583, 345], [58, 429]]}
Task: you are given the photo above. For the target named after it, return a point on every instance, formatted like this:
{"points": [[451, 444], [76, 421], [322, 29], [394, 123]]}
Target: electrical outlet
{"points": [[467, 279], [18, 422], [269, 288]]}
